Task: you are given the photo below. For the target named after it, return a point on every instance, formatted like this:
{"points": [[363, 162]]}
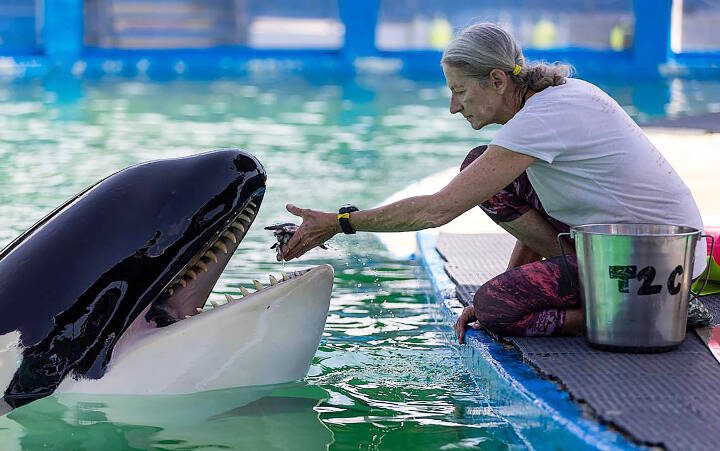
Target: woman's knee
{"points": [[491, 312], [472, 155]]}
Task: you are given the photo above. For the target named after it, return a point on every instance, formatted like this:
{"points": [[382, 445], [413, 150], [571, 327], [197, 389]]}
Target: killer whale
{"points": [[118, 273]]}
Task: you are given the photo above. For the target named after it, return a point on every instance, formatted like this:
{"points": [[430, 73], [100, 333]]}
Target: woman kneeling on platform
{"points": [[567, 154]]}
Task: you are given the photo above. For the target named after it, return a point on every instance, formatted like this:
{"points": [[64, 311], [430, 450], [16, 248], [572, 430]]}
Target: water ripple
{"points": [[383, 376]]}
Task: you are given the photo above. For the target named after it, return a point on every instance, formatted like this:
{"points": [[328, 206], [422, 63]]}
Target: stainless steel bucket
{"points": [[635, 284]]}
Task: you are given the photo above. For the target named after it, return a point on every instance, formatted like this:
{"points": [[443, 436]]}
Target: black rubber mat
{"points": [[464, 262], [670, 399]]}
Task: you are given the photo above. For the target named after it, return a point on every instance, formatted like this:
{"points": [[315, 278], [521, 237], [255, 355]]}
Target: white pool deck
{"points": [[695, 155]]}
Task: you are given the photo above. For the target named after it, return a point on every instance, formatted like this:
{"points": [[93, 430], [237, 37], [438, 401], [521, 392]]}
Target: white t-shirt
{"points": [[595, 165]]}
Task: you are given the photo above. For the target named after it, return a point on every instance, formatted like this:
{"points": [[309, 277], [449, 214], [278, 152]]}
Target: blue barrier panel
{"points": [[62, 32], [652, 34], [17, 27], [360, 19]]}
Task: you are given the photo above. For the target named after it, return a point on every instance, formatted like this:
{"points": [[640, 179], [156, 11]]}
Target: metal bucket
{"points": [[635, 284]]}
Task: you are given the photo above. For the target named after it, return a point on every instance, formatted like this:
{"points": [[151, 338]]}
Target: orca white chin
{"points": [[266, 337]]}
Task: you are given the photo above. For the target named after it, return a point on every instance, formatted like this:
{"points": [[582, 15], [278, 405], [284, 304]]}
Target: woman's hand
{"points": [[467, 316], [317, 227]]}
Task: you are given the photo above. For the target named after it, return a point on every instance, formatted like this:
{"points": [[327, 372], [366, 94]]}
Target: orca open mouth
{"points": [[188, 292]]}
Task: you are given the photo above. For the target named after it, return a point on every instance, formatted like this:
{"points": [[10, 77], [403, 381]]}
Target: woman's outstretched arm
{"points": [[485, 176]]}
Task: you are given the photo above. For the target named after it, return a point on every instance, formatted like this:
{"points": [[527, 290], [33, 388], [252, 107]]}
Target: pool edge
{"points": [[510, 370]]}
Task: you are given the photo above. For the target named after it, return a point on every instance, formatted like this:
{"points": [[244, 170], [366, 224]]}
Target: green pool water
{"points": [[385, 375]]}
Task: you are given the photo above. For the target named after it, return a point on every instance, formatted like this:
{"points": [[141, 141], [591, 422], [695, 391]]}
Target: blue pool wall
{"points": [[50, 38]]}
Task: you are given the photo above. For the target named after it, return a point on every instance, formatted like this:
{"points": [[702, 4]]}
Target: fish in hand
{"points": [[283, 232]]}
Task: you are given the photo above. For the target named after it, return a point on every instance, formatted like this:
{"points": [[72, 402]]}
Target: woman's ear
{"points": [[499, 80]]}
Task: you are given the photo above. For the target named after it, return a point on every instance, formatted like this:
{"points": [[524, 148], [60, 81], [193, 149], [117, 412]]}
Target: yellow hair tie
{"points": [[516, 70]]}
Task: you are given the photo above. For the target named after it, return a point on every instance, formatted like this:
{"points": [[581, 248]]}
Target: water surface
{"points": [[385, 375]]}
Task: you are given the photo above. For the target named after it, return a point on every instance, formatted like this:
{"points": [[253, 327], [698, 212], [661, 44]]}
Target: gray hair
{"points": [[482, 47]]}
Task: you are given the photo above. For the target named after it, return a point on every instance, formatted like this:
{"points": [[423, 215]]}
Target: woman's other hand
{"points": [[317, 227], [467, 316]]}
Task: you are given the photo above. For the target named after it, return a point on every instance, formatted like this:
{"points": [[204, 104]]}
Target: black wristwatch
{"points": [[343, 218]]}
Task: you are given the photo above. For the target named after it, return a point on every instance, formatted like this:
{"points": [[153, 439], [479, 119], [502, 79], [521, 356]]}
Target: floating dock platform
{"points": [[604, 400]]}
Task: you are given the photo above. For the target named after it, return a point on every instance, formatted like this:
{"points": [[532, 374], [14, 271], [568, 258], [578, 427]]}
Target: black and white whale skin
{"points": [[120, 272]]}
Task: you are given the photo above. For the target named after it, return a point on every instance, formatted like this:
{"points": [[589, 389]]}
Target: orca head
{"points": [[140, 249]]}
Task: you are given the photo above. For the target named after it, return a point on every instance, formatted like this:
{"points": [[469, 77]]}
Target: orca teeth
{"points": [[244, 291], [220, 246], [226, 241], [211, 256]]}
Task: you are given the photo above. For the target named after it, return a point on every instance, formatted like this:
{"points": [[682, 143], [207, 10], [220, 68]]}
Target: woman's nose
{"points": [[455, 106]]}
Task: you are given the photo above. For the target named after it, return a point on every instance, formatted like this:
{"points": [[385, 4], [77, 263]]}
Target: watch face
{"points": [[348, 209]]}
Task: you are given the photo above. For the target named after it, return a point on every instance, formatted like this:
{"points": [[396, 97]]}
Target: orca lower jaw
{"points": [[188, 292], [268, 337]]}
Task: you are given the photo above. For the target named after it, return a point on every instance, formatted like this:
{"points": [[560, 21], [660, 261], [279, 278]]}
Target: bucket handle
{"points": [[566, 266], [707, 270]]}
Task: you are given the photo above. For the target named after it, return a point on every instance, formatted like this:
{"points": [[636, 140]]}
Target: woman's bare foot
{"points": [[574, 322]]}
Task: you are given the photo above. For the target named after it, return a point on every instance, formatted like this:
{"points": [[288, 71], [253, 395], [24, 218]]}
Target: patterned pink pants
{"points": [[529, 300]]}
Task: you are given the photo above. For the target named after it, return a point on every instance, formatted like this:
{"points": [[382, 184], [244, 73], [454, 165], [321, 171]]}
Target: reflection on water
{"points": [[271, 417], [384, 376]]}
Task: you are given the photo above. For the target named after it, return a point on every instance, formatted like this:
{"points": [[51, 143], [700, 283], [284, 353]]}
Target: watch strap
{"points": [[343, 218]]}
